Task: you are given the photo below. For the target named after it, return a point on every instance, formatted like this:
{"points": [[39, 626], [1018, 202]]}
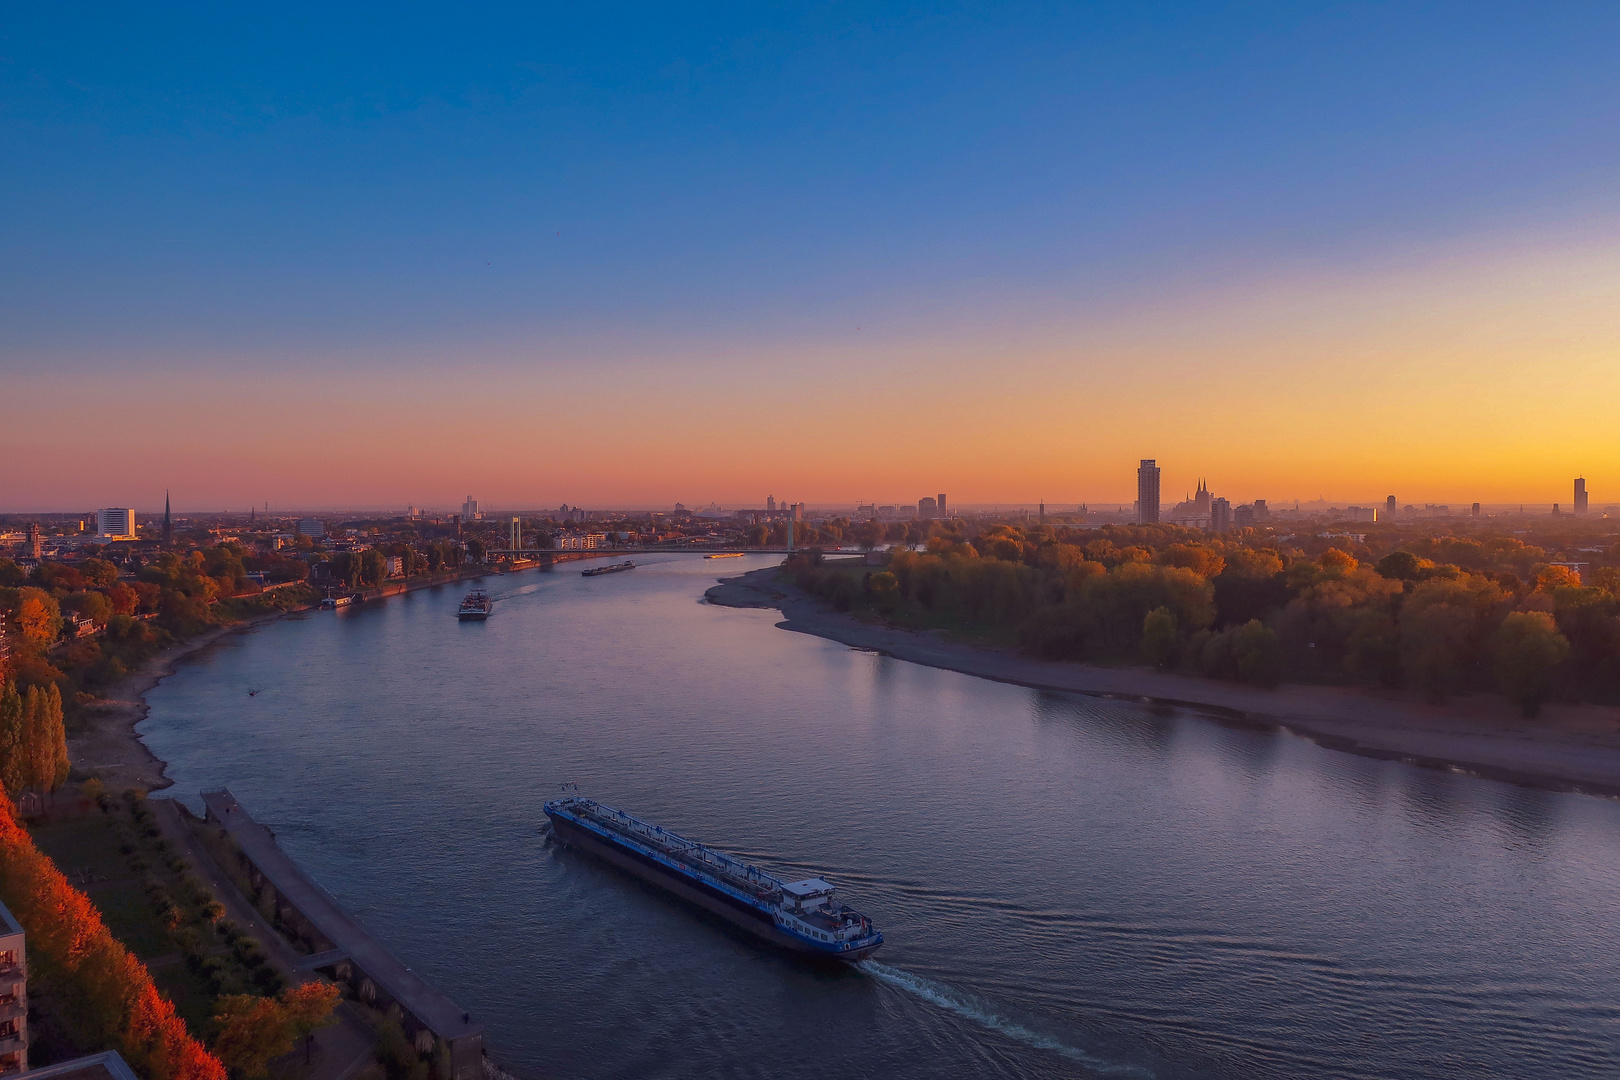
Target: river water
{"points": [[1069, 887]]}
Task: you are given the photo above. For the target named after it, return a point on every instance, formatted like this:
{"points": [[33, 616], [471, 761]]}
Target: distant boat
{"points": [[725, 555], [332, 602], [613, 569], [475, 606]]}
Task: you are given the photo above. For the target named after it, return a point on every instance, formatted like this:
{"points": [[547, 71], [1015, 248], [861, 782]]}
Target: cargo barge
{"points": [[475, 606], [613, 568], [803, 917]]}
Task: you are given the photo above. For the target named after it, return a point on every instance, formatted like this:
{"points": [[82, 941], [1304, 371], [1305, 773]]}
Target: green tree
{"points": [[373, 565], [13, 753], [1159, 637], [1525, 650], [885, 590], [42, 746]]}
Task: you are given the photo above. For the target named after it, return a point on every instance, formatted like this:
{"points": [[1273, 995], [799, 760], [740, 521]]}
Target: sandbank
{"points": [[1570, 747]]}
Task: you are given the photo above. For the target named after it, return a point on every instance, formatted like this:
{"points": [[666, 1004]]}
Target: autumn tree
{"points": [[39, 618], [1524, 651], [253, 1031], [100, 993]]}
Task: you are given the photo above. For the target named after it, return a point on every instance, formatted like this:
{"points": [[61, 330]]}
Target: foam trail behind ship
{"points": [[964, 1006]]}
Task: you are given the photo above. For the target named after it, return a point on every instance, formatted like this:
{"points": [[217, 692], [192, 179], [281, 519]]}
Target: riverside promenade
{"points": [[341, 946]]}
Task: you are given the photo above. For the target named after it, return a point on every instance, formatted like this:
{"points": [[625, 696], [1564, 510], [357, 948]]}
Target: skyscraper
{"points": [[1220, 514], [1389, 507], [1580, 494], [1147, 492], [940, 498], [926, 507]]}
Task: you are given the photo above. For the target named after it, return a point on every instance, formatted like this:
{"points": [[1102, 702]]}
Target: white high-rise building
{"points": [[470, 511], [115, 523]]}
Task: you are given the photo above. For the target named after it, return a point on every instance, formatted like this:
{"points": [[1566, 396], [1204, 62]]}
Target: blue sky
{"points": [[422, 188]]}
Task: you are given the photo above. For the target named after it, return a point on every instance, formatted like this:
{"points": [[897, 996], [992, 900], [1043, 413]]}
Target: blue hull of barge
{"points": [[753, 916]]}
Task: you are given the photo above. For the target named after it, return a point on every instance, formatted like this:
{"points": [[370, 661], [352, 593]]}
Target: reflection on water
{"points": [[1068, 886]]}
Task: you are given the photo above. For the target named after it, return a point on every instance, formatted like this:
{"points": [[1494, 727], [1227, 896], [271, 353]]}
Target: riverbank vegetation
{"points": [[1437, 614], [82, 628]]}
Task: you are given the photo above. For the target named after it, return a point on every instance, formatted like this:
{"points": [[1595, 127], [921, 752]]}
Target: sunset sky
{"points": [[623, 256]]}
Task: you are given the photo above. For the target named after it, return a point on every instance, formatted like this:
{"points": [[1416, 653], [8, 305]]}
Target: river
{"points": [[1069, 887]]}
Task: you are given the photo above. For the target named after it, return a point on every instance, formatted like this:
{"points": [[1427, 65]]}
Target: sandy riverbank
{"points": [[108, 745], [1569, 748]]}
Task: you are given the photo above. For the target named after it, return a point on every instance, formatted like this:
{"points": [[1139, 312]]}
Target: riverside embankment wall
{"points": [[342, 948]]}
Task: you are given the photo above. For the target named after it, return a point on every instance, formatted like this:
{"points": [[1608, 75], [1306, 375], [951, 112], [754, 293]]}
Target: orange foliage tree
{"points": [[253, 1031], [105, 997]]}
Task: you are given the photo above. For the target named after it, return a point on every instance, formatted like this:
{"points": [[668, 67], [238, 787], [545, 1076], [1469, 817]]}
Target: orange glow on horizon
{"points": [[1485, 373]]}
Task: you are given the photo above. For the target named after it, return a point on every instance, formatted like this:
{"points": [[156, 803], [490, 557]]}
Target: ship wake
{"points": [[966, 1007]]}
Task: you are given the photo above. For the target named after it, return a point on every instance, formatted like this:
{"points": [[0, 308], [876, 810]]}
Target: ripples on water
{"points": [[1069, 887]]}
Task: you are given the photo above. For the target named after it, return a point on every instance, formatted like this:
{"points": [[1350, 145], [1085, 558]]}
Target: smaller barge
{"points": [[801, 916], [614, 568], [475, 606]]}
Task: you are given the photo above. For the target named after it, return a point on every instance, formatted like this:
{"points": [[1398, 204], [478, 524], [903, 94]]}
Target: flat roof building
{"points": [[115, 523], [313, 528], [107, 1065], [1580, 495]]}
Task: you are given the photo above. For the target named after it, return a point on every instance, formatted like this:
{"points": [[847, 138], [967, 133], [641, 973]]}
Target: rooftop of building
{"points": [[106, 1065]]}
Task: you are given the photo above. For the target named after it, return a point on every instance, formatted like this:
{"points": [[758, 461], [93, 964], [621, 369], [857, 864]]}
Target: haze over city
{"points": [[846, 255]]}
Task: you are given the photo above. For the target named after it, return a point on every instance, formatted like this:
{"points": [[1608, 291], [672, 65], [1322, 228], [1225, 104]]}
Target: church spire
{"points": [[168, 522]]}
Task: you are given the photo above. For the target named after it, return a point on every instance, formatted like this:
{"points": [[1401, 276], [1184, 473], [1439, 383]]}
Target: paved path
{"points": [[339, 1050]]}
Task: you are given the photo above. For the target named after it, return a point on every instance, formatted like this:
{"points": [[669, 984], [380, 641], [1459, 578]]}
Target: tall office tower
{"points": [[926, 507], [1389, 507], [770, 504], [1476, 509], [1147, 492], [1220, 515], [469, 510], [1580, 494], [940, 498]]}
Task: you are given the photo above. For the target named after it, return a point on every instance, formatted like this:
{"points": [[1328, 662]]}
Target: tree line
{"points": [[1497, 617]]}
